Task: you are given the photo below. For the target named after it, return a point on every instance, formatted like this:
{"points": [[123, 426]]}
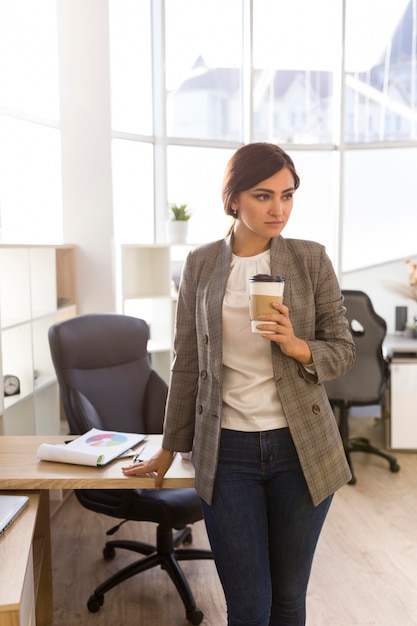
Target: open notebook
{"points": [[96, 447], [10, 507]]}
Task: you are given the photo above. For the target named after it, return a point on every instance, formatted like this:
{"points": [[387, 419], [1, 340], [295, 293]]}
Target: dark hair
{"points": [[250, 165]]}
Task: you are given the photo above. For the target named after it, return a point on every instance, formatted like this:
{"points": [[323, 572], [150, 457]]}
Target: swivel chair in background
{"points": [[366, 382], [106, 381]]}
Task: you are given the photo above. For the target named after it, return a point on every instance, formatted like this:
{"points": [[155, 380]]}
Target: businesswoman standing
{"points": [[252, 407]]}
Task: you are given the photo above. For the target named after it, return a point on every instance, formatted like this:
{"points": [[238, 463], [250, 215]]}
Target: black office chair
{"points": [[366, 382], [106, 381]]}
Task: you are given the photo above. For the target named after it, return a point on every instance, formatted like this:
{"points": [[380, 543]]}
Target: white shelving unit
{"points": [[146, 293], [37, 289], [147, 290]]}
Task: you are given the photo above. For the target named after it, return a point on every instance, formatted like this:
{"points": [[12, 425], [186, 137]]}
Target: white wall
{"points": [[86, 147], [387, 285]]}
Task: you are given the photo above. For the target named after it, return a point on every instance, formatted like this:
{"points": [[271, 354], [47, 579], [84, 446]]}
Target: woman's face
{"points": [[264, 210]]}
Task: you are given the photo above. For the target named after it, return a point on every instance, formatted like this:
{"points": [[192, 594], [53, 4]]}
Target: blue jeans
{"points": [[263, 528]]}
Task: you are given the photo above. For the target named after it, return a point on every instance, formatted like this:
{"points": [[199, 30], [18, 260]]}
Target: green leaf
{"points": [[179, 212]]}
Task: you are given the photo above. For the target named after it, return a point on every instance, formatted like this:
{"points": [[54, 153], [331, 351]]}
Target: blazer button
{"points": [[205, 338], [316, 409], [203, 374], [199, 409]]}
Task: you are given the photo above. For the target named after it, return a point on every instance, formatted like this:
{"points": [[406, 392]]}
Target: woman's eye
{"points": [[262, 196]]}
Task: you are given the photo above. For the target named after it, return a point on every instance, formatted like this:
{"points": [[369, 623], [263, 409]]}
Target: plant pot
{"points": [[176, 231]]}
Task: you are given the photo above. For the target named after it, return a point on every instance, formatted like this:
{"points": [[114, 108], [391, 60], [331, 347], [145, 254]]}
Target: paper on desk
{"points": [[96, 448], [146, 452], [60, 453]]}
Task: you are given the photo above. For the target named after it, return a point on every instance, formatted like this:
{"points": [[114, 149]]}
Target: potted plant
{"points": [[177, 226], [411, 330]]}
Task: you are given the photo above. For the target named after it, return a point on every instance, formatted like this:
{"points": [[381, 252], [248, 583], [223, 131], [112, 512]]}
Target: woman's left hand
{"points": [[282, 333], [157, 466]]}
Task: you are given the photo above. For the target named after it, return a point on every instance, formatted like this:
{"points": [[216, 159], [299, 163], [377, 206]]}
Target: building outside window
{"points": [[191, 81]]}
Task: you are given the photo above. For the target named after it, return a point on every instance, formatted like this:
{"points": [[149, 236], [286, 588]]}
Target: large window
{"points": [[380, 216], [256, 70], [314, 215], [204, 58], [191, 81], [381, 65], [195, 178], [296, 69], [130, 65], [133, 199]]}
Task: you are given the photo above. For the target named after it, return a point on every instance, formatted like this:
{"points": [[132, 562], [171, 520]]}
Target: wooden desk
{"points": [[21, 549], [20, 470]]}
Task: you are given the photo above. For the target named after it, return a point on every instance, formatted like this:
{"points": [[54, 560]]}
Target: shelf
{"points": [[161, 363], [18, 359], [65, 276], [46, 404], [42, 382], [37, 290], [65, 313], [144, 271], [42, 282], [154, 346], [18, 418], [14, 279], [146, 292]]}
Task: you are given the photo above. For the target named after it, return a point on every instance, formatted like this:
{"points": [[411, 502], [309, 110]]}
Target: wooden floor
{"points": [[364, 573]]}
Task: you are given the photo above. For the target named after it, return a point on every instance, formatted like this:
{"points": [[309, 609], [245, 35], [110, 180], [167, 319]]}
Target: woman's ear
{"points": [[233, 205]]}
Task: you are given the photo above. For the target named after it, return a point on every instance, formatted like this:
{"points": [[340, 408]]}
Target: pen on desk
{"points": [[137, 458]]}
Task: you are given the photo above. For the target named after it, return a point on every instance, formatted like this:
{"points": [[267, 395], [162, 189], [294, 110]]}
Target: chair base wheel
{"points": [[394, 467], [195, 616], [108, 553], [95, 602]]}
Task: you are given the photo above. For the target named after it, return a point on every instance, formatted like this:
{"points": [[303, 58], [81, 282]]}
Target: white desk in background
{"points": [[402, 354]]}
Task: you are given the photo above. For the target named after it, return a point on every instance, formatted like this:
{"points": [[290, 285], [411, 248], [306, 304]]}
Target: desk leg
{"points": [[44, 598]]}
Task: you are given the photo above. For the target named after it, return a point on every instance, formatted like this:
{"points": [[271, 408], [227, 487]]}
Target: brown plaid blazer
{"points": [[193, 411]]}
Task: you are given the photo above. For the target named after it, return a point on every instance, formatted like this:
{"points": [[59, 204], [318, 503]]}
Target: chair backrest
{"points": [[365, 382], [104, 374]]}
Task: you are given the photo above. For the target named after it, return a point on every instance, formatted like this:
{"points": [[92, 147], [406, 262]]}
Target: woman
{"points": [[252, 407]]}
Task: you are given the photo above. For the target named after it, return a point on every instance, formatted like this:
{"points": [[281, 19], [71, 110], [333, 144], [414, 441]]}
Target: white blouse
{"points": [[250, 399]]}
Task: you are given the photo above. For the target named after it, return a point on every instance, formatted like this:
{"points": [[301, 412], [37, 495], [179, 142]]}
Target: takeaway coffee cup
{"points": [[263, 291]]}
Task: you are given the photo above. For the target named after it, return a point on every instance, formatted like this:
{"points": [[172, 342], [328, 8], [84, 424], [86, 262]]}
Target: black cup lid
{"points": [[266, 278]]}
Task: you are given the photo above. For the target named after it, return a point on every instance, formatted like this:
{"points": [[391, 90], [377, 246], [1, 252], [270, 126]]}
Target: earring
{"points": [[234, 213]]}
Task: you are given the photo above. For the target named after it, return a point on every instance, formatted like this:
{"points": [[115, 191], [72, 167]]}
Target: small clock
{"points": [[11, 385]]}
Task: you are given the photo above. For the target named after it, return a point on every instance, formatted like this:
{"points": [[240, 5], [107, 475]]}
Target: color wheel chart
{"points": [[105, 440]]}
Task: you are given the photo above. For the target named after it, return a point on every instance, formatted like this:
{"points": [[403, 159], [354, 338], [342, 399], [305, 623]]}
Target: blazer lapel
{"points": [[279, 267], [216, 287], [279, 259]]}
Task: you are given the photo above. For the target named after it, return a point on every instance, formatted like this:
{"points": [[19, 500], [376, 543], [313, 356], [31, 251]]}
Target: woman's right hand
{"points": [[157, 465]]}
